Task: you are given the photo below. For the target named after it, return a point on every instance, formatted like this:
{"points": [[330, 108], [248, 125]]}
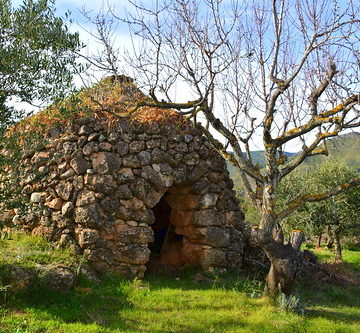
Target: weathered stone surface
{"points": [[133, 254], [55, 204], [133, 204], [100, 183], [104, 162], [85, 198], [191, 159], [213, 236], [17, 278], [38, 197], [69, 147], [136, 146], [79, 183], [90, 148], [100, 255], [85, 130], [88, 216], [131, 161], [67, 174], [206, 218], [110, 204], [87, 237], [125, 175], [122, 148], [153, 177], [154, 143], [93, 137], [40, 158], [80, 165], [106, 146], [144, 157], [59, 278], [199, 171], [124, 192], [67, 209], [158, 156], [131, 235], [214, 258], [188, 138], [64, 190], [208, 200]]}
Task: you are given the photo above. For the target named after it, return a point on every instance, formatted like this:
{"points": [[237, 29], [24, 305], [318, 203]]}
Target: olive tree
{"points": [[37, 62], [339, 214], [253, 72], [37, 53]]}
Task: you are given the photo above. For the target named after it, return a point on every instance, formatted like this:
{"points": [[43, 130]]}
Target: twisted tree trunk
{"points": [[285, 260], [338, 249], [330, 243], [318, 246]]}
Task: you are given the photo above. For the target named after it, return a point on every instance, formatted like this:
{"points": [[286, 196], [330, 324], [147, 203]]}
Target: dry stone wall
{"points": [[96, 188]]}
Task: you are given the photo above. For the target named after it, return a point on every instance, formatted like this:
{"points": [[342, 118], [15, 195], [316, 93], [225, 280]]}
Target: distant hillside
{"points": [[344, 148], [258, 157]]}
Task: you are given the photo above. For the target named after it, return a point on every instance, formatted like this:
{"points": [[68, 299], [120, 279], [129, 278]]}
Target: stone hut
{"points": [[130, 193]]}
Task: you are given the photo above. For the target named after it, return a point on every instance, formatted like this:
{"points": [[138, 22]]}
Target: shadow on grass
{"points": [[108, 303], [334, 315], [89, 303]]}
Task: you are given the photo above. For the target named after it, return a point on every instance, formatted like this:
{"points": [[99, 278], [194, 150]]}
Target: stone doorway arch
{"points": [[177, 242]]}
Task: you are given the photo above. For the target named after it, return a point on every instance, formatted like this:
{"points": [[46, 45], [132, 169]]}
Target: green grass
{"points": [[351, 257], [28, 251], [170, 305], [180, 303]]}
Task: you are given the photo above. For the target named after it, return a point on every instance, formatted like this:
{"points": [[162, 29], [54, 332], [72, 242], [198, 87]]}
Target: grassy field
{"points": [[179, 303]]}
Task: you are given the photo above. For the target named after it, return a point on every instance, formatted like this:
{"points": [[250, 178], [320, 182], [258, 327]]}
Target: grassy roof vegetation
{"points": [[109, 100]]}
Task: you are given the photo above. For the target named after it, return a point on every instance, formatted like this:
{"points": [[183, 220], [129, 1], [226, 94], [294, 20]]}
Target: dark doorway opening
{"points": [[167, 245]]}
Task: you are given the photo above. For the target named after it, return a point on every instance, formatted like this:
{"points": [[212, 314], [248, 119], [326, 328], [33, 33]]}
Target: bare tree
{"points": [[266, 72]]}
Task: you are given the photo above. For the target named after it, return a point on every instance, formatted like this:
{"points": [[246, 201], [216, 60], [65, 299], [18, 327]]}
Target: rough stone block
{"points": [[64, 190], [213, 236], [86, 237], [104, 162], [137, 235], [85, 198], [55, 204], [183, 201], [80, 165], [213, 258], [133, 254], [208, 218], [38, 197], [87, 216]]}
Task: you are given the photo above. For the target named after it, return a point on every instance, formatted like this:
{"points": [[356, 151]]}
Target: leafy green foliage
{"points": [[342, 210], [37, 52], [37, 63]]}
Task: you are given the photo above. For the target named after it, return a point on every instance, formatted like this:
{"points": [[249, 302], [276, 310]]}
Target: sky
{"points": [[80, 25]]}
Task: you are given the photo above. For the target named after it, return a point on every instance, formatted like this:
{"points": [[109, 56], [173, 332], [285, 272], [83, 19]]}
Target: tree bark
{"points": [[296, 239], [330, 243], [318, 246], [338, 249], [284, 258]]}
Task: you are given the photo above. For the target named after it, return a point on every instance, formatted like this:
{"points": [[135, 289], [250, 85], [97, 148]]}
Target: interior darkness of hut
{"points": [[165, 238]]}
